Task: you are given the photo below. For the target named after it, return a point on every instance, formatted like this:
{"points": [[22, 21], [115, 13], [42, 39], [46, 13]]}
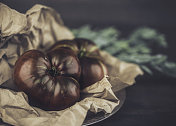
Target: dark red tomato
{"points": [[49, 79], [81, 47], [92, 70], [92, 66]]}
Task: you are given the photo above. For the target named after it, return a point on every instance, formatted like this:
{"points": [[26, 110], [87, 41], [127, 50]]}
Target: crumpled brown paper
{"points": [[39, 28]]}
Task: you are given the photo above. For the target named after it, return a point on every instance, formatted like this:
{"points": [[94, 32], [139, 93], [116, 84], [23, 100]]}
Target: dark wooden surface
{"points": [[152, 100]]}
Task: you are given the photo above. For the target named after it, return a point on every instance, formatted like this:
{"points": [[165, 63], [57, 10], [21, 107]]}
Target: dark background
{"points": [[152, 100]]}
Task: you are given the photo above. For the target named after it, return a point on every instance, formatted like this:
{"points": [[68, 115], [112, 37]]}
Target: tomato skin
{"points": [[92, 66], [92, 71], [50, 79]]}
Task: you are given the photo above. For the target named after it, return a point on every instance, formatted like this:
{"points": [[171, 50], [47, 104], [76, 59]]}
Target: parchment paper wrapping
{"points": [[39, 28]]}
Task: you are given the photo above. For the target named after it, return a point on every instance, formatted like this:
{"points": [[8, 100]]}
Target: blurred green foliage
{"points": [[135, 49]]}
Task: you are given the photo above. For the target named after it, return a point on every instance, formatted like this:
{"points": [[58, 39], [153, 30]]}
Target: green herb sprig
{"points": [[135, 49]]}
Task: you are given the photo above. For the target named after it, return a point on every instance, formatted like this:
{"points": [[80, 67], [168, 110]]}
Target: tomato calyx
{"points": [[53, 71], [82, 53]]}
